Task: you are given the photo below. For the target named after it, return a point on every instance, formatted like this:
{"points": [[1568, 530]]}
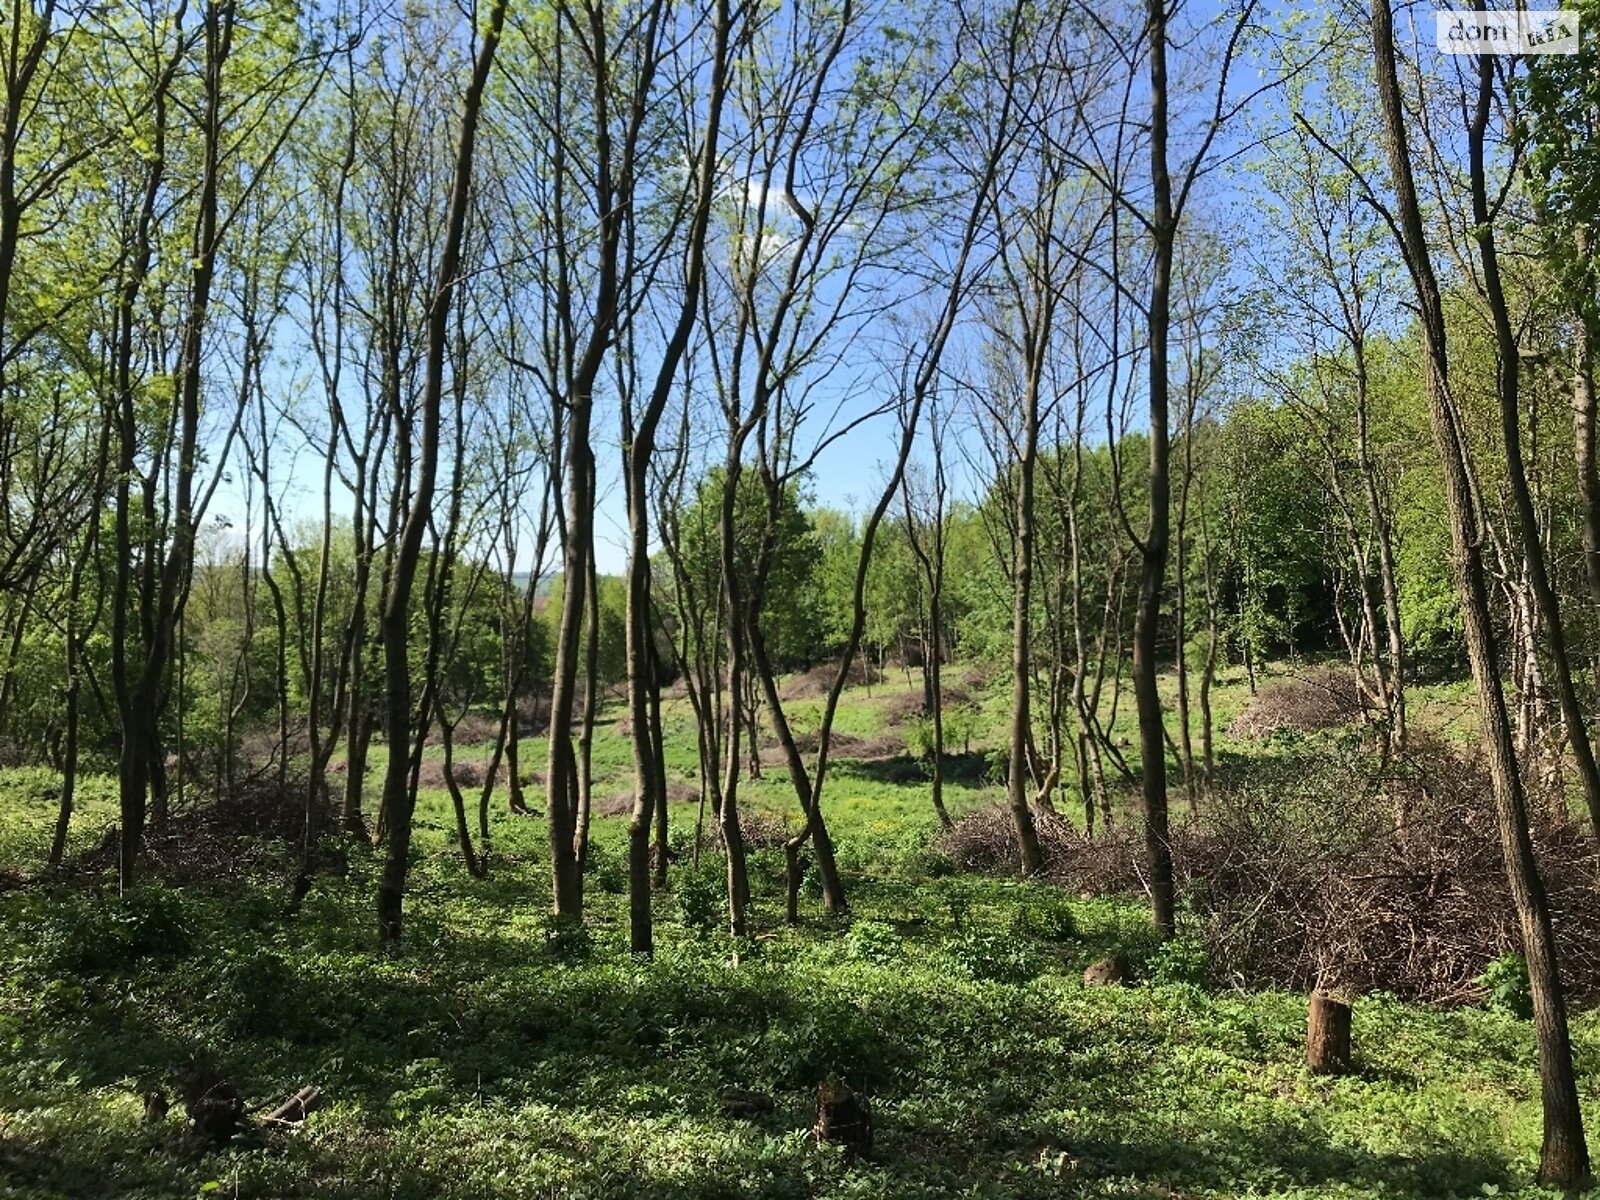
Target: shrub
{"points": [[109, 935], [961, 724], [1506, 988], [987, 954], [915, 855], [259, 994], [835, 1041], [1182, 960], [700, 894], [874, 942], [606, 869], [566, 938], [919, 741], [1045, 917]]}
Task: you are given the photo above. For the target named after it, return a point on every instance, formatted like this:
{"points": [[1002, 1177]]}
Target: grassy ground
{"points": [[498, 1055]]}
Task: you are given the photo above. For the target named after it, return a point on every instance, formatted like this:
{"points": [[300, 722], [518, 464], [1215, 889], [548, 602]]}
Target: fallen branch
{"points": [[296, 1108]]}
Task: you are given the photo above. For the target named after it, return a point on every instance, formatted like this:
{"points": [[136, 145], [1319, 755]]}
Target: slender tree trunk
{"points": [[133, 755], [1585, 337], [1388, 575], [1208, 675], [399, 795], [1032, 857], [1507, 378], [359, 721], [658, 762], [935, 669], [1564, 1158], [591, 700], [1153, 551], [644, 673]]}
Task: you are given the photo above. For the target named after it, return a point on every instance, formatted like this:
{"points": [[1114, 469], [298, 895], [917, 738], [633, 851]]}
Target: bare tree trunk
{"points": [[1153, 550], [399, 795], [1564, 1158]]}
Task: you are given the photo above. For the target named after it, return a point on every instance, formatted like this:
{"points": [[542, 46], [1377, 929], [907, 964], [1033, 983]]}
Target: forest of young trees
{"points": [[389, 389]]}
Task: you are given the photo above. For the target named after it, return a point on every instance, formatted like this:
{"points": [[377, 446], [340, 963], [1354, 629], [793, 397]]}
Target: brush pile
{"points": [[1337, 869], [1322, 698]]}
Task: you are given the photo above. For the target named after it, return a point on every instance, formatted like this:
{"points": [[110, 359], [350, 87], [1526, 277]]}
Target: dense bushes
{"points": [[117, 932]]}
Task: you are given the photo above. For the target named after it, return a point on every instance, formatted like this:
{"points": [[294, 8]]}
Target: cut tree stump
{"points": [[743, 1105], [1327, 1035], [1107, 972], [213, 1104], [296, 1108], [844, 1118]]}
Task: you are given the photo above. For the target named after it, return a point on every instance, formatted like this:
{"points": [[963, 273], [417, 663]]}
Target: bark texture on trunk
{"points": [[1327, 1035]]}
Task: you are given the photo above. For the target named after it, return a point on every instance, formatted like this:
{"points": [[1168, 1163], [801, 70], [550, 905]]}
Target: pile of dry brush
{"points": [[1340, 869], [1322, 697]]}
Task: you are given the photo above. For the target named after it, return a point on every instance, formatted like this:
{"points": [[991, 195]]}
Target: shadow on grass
{"points": [[967, 770], [1283, 1155], [415, 1046]]}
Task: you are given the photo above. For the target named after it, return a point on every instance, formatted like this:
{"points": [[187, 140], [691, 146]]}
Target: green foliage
{"points": [[566, 939], [261, 994], [834, 1040], [1045, 916], [1506, 987], [1556, 132], [701, 896], [605, 869], [920, 741], [792, 616], [874, 942], [1181, 960], [457, 1058], [116, 933], [1268, 526], [915, 856], [994, 955]]}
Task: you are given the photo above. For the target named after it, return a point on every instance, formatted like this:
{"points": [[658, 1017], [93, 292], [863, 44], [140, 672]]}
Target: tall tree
{"points": [[639, 444], [399, 788], [1564, 1156]]}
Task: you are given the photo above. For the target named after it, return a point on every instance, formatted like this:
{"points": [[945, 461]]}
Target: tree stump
{"points": [[1107, 972], [214, 1106], [743, 1105], [844, 1118], [1327, 1035]]}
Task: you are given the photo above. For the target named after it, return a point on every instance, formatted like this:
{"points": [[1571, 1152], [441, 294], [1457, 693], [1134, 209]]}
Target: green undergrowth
{"points": [[497, 1053]]}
